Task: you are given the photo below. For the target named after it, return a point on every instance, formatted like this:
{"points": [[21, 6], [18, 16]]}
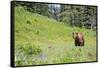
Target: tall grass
{"points": [[46, 41]]}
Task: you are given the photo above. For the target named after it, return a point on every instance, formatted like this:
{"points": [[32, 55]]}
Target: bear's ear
{"points": [[76, 33]]}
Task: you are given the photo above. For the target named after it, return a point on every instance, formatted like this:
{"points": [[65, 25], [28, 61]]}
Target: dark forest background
{"points": [[72, 15]]}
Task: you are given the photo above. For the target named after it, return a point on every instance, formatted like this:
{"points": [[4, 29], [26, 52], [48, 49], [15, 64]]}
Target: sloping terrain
{"points": [[43, 40]]}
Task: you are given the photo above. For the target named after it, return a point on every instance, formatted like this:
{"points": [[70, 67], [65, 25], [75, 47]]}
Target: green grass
{"points": [[46, 41]]}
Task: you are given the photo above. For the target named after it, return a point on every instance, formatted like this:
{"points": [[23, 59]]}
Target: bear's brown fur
{"points": [[79, 38]]}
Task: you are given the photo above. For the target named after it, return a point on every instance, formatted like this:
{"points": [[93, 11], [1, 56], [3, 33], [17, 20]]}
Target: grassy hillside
{"points": [[41, 40]]}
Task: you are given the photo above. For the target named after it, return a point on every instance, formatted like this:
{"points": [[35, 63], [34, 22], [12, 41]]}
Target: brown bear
{"points": [[79, 38]]}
